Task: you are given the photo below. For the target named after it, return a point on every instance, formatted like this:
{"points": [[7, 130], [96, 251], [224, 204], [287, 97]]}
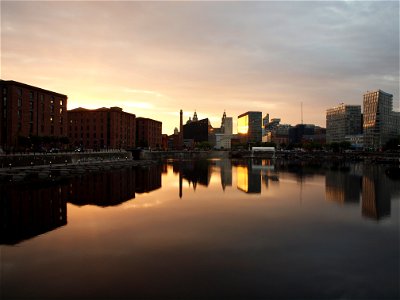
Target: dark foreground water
{"points": [[213, 229]]}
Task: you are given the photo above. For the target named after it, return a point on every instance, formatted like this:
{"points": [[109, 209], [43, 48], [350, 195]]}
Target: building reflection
{"points": [[103, 189], [374, 189], [148, 179], [195, 172], [114, 188], [225, 166], [28, 211], [249, 178], [375, 195], [343, 187]]}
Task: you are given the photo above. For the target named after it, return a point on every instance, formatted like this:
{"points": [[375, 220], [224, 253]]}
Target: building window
{"points": [[31, 116], [42, 128], [61, 111], [51, 119], [19, 92], [4, 101], [52, 129], [61, 102], [30, 128], [19, 102], [5, 91], [61, 130]]}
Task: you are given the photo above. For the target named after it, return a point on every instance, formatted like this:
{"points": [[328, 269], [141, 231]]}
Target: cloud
{"points": [[208, 56]]}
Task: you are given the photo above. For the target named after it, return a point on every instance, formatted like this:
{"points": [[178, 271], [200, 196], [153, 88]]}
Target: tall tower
{"points": [[181, 130], [195, 117]]}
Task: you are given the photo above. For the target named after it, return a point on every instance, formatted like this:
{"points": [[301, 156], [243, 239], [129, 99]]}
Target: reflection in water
{"points": [[29, 211], [375, 194], [250, 175], [226, 172], [230, 239], [103, 189], [371, 184], [343, 187], [148, 179]]}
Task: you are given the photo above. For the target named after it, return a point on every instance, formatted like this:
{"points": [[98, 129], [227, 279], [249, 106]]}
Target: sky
{"points": [[155, 58]]}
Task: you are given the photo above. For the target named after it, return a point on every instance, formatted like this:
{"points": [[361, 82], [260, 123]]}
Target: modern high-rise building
{"points": [[380, 121], [341, 121], [101, 128], [249, 126], [148, 133], [28, 111]]}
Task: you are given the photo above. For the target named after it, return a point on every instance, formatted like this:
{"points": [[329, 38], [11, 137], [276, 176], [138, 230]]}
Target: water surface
{"points": [[204, 229]]}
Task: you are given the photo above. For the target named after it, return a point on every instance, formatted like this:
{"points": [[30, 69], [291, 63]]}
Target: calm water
{"points": [[204, 229]]}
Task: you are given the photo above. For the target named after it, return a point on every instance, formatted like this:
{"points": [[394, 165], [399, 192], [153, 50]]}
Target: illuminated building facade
{"points": [[249, 126], [380, 122], [28, 111], [342, 120], [101, 128]]}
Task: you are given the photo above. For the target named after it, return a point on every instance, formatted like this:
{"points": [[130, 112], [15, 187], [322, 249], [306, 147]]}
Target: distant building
{"points": [[381, 123], [226, 125], [250, 126], [297, 132], [148, 133], [197, 130], [28, 111], [342, 120], [101, 128]]}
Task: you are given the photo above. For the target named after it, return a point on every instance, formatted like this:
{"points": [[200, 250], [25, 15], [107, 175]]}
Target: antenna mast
{"points": [[301, 104]]}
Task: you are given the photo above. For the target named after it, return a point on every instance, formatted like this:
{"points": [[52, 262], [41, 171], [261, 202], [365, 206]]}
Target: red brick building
{"points": [[102, 128], [28, 111], [148, 133]]}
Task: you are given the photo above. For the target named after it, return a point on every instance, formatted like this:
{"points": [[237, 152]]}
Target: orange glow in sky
{"points": [[155, 58]]}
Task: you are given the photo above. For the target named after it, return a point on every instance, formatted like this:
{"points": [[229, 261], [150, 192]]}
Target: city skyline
{"points": [[153, 59]]}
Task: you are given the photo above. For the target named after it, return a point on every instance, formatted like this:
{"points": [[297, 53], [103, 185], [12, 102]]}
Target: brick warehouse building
{"points": [[148, 133], [29, 111], [102, 128]]}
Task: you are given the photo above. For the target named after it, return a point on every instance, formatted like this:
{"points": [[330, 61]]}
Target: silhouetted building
{"points": [[149, 133], [381, 123], [297, 132], [342, 120], [101, 128], [28, 111], [199, 131], [250, 127]]}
